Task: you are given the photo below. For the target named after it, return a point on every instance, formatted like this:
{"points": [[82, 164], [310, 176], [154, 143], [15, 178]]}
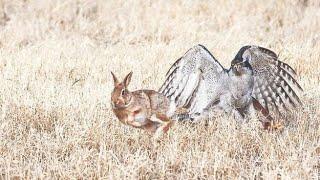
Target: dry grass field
{"points": [[55, 63]]}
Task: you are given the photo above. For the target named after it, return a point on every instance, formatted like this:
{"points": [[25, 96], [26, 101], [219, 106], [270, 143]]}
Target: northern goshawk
{"points": [[256, 80]]}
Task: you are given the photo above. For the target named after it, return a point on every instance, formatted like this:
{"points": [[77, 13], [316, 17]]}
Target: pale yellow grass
{"points": [[56, 58]]}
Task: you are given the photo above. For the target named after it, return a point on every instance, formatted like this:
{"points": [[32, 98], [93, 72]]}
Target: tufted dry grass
{"points": [[55, 62]]}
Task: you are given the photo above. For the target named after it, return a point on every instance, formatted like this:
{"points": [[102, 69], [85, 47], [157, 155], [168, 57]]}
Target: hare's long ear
{"points": [[115, 79], [127, 79]]}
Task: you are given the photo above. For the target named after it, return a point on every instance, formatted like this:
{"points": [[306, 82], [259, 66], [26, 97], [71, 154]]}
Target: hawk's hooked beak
{"points": [[235, 61]]}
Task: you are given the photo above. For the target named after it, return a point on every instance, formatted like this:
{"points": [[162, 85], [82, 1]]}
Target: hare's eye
{"points": [[122, 92]]}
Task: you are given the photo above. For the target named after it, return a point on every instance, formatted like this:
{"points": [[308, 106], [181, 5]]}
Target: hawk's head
{"points": [[240, 64]]}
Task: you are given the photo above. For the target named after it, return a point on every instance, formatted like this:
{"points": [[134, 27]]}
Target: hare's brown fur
{"points": [[145, 109]]}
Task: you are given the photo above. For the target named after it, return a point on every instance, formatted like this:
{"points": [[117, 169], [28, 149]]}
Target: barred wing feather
{"points": [[189, 78], [275, 86]]}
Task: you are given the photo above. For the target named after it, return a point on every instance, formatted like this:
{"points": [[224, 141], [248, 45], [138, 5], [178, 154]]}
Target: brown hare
{"points": [[144, 109]]}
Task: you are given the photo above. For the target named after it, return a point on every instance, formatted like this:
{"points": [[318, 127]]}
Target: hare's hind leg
{"points": [[151, 126], [165, 124]]}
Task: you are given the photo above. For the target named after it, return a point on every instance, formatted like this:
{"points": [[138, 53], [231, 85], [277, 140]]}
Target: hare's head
{"points": [[121, 96]]}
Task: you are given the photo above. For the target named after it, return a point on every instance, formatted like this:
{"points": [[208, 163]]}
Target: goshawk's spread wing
{"points": [[192, 80], [275, 86]]}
